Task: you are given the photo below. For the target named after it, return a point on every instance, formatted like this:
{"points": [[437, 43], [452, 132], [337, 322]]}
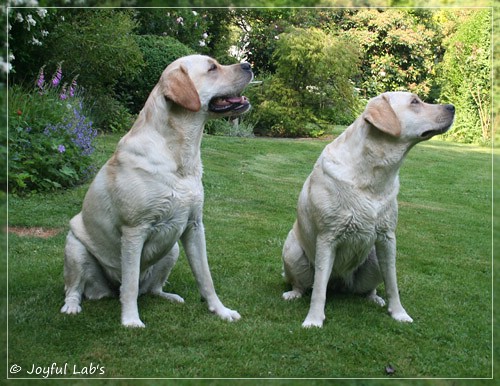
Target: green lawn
{"points": [[251, 188]]}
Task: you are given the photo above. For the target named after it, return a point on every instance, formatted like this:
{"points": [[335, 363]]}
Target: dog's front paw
{"points": [[401, 316], [291, 295], [71, 309], [133, 323], [313, 321], [227, 314]]}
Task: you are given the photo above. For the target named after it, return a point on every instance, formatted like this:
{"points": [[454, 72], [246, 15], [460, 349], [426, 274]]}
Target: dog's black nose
{"points": [[246, 66], [450, 108]]}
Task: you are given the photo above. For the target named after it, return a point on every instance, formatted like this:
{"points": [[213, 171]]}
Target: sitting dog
{"points": [[347, 210], [149, 195]]}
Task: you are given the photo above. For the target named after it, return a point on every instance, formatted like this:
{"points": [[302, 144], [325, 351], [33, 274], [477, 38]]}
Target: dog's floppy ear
{"points": [[380, 114], [179, 88]]}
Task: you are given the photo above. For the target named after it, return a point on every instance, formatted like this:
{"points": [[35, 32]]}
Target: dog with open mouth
{"points": [[149, 194]]}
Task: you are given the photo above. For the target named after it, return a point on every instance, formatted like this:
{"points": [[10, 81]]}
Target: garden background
{"points": [[73, 72], [79, 74]]}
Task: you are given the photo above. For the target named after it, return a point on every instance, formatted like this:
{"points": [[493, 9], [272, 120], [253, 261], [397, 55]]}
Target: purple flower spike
{"points": [[57, 76], [63, 95], [41, 79], [61, 148]]}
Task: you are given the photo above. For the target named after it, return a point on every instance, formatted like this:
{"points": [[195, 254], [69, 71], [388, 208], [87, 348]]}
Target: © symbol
{"points": [[14, 369]]}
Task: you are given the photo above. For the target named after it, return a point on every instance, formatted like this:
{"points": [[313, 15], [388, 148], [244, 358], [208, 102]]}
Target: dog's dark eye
{"points": [[213, 67]]}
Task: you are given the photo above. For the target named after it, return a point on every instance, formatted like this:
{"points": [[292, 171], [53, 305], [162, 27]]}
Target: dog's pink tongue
{"points": [[240, 99]]}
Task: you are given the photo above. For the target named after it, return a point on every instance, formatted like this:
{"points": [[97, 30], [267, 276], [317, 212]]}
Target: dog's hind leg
{"points": [[297, 269], [159, 274], [82, 276], [366, 279]]}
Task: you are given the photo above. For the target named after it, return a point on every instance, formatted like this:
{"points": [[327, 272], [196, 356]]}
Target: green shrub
{"points": [[158, 52], [311, 87], [50, 138], [98, 44], [230, 128], [110, 115], [465, 78]]}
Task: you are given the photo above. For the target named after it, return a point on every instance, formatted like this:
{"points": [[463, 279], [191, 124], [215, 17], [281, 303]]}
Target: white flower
{"points": [[205, 35], [5, 67], [195, 13], [44, 33], [202, 43], [11, 57], [35, 41], [180, 20], [42, 12], [19, 17], [30, 20]]}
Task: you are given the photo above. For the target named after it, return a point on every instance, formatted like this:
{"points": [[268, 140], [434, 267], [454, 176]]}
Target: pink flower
{"points": [[56, 79], [41, 79], [63, 95]]}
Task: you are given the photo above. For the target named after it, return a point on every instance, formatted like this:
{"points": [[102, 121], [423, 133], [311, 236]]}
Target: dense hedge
{"points": [[158, 52]]}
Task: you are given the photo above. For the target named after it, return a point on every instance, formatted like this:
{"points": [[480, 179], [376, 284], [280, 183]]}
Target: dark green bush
{"points": [[158, 52], [110, 114]]}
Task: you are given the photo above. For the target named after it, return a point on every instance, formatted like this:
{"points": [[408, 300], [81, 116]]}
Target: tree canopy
{"points": [[325, 61]]}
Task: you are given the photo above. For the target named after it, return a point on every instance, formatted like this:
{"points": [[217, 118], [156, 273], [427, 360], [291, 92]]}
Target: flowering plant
{"points": [[28, 23], [50, 137]]}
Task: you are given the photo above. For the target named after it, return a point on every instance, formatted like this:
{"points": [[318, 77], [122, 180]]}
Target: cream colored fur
{"points": [[149, 195], [347, 210]]}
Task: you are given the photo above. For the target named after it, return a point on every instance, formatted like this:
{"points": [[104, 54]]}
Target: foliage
{"points": [[98, 45], [399, 50], [260, 29], [465, 78], [110, 114], [238, 127], [158, 52], [311, 84], [50, 138], [203, 31], [30, 29]]}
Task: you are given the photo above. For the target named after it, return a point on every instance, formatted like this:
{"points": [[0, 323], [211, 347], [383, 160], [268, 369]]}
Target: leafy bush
{"points": [[465, 80], [109, 114], [158, 52], [311, 86], [399, 50], [230, 128], [98, 45], [50, 138]]}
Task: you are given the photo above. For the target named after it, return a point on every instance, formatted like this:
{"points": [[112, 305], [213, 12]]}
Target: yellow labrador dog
{"points": [[347, 210], [149, 195]]}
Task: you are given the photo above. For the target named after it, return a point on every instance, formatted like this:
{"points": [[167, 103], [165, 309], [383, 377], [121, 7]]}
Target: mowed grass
{"points": [[251, 188]]}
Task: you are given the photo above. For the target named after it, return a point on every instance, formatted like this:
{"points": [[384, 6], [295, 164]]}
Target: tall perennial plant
{"points": [[50, 136]]}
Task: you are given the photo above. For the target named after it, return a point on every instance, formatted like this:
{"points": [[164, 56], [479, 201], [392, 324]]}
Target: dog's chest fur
{"points": [[351, 217]]}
